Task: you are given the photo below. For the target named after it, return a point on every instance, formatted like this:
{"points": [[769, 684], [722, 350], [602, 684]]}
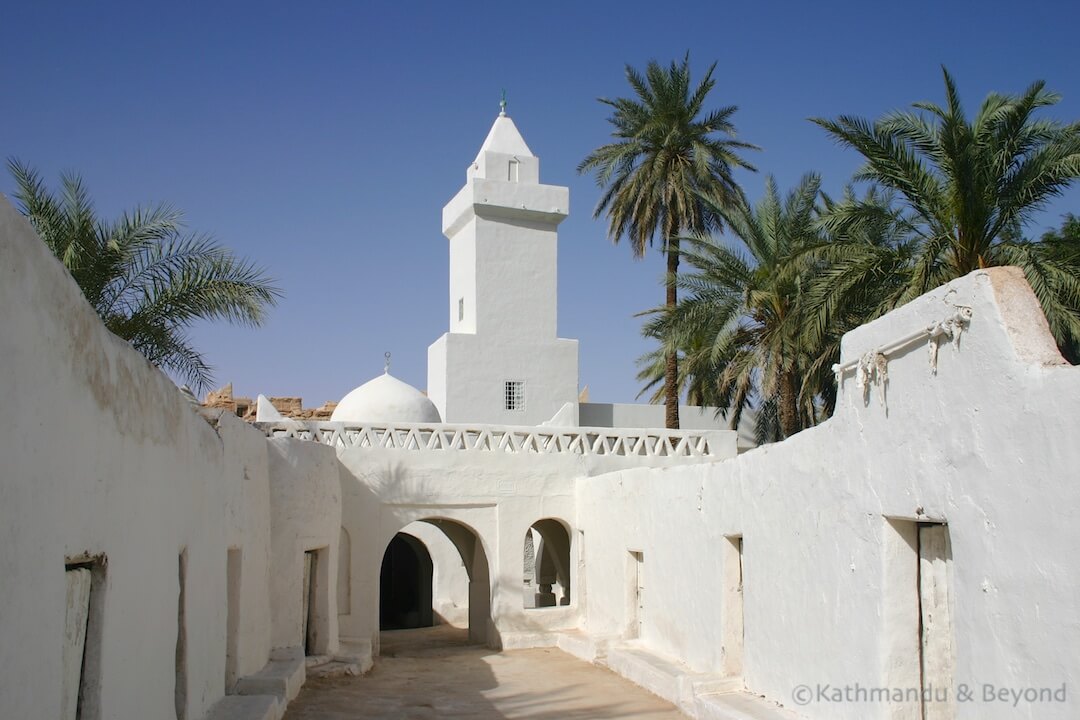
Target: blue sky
{"points": [[323, 139]]}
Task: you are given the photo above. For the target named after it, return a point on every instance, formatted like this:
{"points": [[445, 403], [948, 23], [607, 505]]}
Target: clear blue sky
{"points": [[323, 139]]}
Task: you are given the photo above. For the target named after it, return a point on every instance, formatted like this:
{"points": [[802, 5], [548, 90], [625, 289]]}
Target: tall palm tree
{"points": [[146, 278], [669, 157], [964, 190], [740, 322]]}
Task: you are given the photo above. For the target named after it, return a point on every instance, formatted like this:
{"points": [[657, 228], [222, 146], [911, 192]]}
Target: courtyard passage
{"points": [[434, 673]]}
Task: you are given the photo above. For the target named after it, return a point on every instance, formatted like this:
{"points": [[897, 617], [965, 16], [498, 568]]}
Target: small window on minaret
{"points": [[512, 171], [515, 395], [461, 309]]}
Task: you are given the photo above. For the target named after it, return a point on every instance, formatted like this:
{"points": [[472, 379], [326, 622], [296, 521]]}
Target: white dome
{"points": [[386, 400]]}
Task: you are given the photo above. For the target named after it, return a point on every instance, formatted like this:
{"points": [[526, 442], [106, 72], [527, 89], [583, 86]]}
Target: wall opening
{"points": [[733, 629], [636, 595], [316, 601], [405, 584], [547, 566], [232, 618], [514, 395], [528, 572], [344, 576], [935, 621], [918, 617], [512, 171], [396, 602], [180, 689], [81, 658]]}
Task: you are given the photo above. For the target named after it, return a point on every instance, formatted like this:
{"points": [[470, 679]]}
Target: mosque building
{"points": [[168, 561]]}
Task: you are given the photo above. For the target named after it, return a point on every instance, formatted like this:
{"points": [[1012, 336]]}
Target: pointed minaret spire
{"points": [[502, 104]]}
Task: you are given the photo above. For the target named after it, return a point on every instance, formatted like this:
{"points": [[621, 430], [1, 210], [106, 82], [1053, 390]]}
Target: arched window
{"points": [[546, 576]]}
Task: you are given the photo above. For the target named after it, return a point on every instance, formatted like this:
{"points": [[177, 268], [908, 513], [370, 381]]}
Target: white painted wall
{"points": [[102, 456], [305, 498], [467, 376], [498, 495], [247, 529], [988, 445]]}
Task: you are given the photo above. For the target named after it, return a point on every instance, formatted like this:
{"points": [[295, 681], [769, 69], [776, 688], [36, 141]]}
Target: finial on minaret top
{"points": [[502, 104], [386, 365]]}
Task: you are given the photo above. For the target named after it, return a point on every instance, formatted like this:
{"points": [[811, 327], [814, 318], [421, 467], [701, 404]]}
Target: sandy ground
{"points": [[433, 673]]}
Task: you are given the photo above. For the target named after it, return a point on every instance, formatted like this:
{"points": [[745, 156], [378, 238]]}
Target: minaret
{"points": [[502, 361]]}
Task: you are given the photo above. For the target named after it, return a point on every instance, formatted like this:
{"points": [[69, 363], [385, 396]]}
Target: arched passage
{"points": [[405, 585], [547, 559], [409, 597]]}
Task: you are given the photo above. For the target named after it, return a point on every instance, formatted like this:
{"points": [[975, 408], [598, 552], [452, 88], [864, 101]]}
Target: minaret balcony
{"points": [[548, 204]]}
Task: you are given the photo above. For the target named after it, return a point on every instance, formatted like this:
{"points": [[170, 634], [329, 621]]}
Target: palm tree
{"points": [[668, 159], [964, 190], [740, 323], [147, 280]]}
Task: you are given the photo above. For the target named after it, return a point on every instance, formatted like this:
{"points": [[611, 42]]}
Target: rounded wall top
{"points": [[386, 400]]}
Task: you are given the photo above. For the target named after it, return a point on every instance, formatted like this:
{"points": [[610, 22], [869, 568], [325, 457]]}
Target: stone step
{"points": [[668, 678], [282, 677], [583, 646], [246, 707], [335, 668], [739, 706]]}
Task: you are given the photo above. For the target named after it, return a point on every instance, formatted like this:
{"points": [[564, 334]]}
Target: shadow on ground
{"points": [[435, 673]]}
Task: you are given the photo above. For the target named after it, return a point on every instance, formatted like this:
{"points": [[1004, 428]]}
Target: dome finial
{"points": [[386, 365], [502, 104]]}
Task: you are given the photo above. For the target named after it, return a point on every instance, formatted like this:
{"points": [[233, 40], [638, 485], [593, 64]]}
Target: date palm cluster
{"points": [[754, 320]]}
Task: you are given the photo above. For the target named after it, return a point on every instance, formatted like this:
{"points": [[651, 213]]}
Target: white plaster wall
{"points": [[516, 282], [467, 377], [498, 496], [305, 501], [988, 445], [463, 280], [102, 455], [247, 528]]}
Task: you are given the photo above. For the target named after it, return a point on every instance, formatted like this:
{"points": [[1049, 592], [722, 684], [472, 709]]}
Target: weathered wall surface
{"points": [[305, 501], [988, 445], [103, 458], [496, 495], [247, 531]]}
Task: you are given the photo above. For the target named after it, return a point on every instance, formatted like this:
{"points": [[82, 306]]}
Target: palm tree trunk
{"points": [[789, 405], [671, 366]]}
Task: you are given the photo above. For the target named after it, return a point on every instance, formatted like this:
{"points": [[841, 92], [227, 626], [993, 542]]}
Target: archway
{"points": [[405, 593], [405, 585], [546, 550]]}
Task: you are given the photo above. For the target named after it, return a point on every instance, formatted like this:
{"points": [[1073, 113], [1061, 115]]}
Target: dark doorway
{"points": [[405, 585]]}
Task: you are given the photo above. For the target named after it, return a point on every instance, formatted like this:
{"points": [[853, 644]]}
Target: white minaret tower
{"points": [[502, 361]]}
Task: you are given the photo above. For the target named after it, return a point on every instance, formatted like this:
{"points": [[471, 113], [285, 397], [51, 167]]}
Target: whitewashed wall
{"points": [[247, 530], [305, 501], [498, 496], [988, 444], [101, 456]]}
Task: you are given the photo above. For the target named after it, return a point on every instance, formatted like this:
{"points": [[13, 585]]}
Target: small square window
{"points": [[515, 395]]}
